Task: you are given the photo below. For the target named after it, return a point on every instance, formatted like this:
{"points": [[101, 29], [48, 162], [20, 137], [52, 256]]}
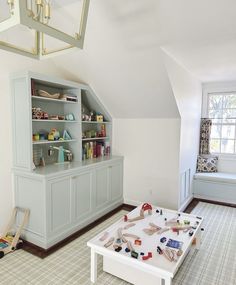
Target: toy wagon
{"points": [[10, 241]]}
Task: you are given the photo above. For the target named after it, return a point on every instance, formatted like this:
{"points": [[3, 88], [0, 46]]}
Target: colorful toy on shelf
{"points": [[70, 117], [54, 135], [35, 137], [61, 152], [99, 118], [39, 114], [66, 135], [93, 150], [45, 94], [103, 131]]}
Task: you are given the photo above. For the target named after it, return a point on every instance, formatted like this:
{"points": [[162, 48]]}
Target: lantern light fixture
{"points": [[36, 16]]}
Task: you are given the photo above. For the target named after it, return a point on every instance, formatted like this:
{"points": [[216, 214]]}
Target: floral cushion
{"points": [[207, 164]]}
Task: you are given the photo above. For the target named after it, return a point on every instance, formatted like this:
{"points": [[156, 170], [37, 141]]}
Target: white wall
{"points": [[188, 93], [151, 151], [11, 63]]}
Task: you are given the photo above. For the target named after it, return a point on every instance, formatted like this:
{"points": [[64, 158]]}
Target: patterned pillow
{"points": [[207, 164]]}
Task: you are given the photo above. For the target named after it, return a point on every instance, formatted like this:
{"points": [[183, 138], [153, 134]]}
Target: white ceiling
{"points": [[122, 56]]}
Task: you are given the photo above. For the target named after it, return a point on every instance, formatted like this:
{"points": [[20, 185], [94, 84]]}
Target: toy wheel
{"points": [[19, 245], [1, 254]]}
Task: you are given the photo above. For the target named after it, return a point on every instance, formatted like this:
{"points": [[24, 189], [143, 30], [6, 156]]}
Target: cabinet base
{"points": [[42, 253]]}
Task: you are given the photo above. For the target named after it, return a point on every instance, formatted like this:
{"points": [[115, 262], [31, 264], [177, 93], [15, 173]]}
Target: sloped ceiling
{"points": [[122, 57]]}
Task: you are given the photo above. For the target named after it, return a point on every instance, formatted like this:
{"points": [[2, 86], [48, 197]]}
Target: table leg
{"points": [[93, 266]]}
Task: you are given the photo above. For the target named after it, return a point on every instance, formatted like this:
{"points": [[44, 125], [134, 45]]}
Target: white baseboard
{"points": [[214, 199], [186, 203]]}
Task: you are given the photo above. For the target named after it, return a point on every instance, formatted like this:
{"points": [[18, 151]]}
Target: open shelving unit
{"points": [[52, 142], [38, 98], [95, 146], [54, 121], [25, 89]]}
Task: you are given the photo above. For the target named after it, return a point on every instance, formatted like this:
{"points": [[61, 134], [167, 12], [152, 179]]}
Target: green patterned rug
{"points": [[214, 264]]}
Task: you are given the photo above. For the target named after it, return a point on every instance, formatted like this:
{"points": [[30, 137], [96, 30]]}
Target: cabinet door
{"points": [[59, 207], [116, 181], [102, 187], [82, 196]]}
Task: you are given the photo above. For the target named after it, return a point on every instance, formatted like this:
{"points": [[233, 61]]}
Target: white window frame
{"points": [[217, 87]]}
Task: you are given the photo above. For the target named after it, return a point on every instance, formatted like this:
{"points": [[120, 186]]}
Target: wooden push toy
{"points": [[9, 242]]}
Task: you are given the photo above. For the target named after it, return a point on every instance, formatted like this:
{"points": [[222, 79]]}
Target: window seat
{"points": [[217, 177], [218, 186]]}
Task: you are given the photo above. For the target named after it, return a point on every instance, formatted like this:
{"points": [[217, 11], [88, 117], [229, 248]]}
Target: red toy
{"points": [[138, 242], [147, 256], [146, 207]]}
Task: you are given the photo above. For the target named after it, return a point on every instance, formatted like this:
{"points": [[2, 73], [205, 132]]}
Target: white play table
{"points": [[157, 270]]}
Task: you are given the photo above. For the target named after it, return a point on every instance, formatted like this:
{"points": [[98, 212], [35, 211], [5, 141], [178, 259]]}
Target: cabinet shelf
{"points": [[53, 121], [53, 100], [95, 139], [95, 122], [53, 142]]}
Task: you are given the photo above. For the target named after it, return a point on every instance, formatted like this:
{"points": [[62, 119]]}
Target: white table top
{"points": [[149, 243]]}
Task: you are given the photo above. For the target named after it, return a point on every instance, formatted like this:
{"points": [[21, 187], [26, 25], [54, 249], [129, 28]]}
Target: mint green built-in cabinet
{"points": [[82, 196], [102, 187], [62, 198]]}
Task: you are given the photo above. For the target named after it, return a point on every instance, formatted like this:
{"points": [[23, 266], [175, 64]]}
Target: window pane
{"points": [[228, 132], [215, 102], [217, 121], [215, 114], [228, 121], [216, 131], [229, 101], [227, 146], [214, 145], [229, 113]]}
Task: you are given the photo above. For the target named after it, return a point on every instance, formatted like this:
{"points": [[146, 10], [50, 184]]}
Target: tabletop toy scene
{"points": [[126, 240]]}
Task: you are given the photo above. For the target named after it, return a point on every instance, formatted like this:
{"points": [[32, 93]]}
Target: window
{"points": [[221, 108]]}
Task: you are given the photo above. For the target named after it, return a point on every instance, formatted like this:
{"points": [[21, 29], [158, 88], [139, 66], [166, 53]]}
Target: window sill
{"points": [[225, 156]]}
